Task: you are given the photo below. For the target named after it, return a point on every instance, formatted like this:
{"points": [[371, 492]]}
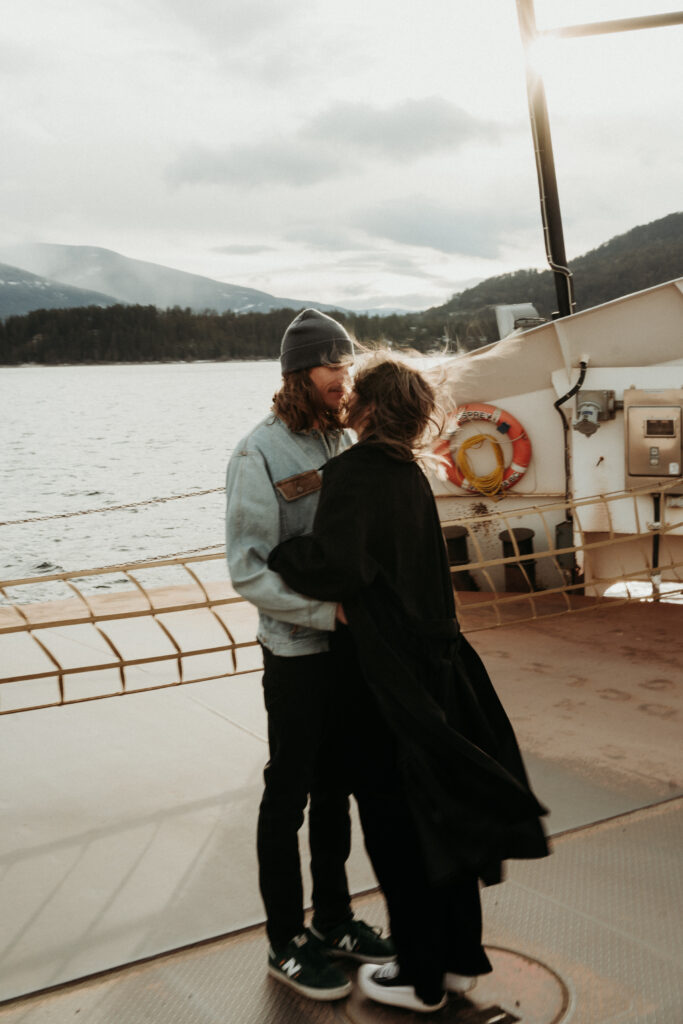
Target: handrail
{"points": [[200, 629]]}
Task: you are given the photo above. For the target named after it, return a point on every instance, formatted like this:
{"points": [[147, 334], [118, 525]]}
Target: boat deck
{"points": [[129, 880]]}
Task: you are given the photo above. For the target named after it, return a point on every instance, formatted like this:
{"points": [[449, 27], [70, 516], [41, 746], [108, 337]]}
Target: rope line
{"points": [[588, 499], [174, 556], [489, 485], [110, 508]]}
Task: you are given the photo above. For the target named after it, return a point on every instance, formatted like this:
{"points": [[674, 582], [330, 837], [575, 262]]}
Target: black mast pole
{"points": [[545, 165]]}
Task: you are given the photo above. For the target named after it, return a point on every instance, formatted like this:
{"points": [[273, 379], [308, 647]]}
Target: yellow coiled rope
{"points": [[490, 484]]}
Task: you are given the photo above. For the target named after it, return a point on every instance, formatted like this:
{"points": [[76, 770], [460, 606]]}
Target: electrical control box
{"points": [[654, 444]]}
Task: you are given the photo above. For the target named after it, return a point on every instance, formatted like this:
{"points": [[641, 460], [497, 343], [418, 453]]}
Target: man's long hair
{"points": [[298, 404]]}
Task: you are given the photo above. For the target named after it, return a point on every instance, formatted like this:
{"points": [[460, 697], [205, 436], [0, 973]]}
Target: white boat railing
{"points": [[92, 645], [572, 575]]}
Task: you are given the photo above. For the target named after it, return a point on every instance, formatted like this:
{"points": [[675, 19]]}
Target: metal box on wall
{"points": [[653, 423]]}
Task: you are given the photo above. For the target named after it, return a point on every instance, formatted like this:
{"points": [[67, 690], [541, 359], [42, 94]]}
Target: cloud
{"points": [[322, 236], [410, 129], [385, 261], [241, 250], [278, 162], [351, 250], [234, 24], [18, 60], [421, 221], [335, 143]]}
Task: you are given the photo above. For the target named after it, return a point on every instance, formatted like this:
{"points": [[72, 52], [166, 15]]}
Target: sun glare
{"points": [[541, 55]]}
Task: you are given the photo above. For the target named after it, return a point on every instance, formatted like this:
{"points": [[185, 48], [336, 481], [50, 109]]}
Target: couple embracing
{"points": [[369, 687]]}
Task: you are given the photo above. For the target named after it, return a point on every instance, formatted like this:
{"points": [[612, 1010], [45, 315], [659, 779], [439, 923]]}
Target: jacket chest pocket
{"points": [[299, 496], [299, 486]]}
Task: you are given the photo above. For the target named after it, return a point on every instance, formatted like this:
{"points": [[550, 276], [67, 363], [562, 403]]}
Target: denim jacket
{"points": [[272, 490]]}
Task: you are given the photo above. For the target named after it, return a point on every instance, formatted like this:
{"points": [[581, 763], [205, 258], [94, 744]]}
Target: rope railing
{"points": [[85, 645], [110, 508], [162, 499]]}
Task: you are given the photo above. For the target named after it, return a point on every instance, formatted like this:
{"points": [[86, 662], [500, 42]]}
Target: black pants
{"points": [[306, 714], [436, 928]]}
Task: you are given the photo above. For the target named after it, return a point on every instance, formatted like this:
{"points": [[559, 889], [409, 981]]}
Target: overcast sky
{"points": [[351, 152]]}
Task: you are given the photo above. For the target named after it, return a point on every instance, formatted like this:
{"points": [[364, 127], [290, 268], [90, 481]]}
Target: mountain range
{"points": [[21, 291], [140, 331], [68, 276], [46, 276]]}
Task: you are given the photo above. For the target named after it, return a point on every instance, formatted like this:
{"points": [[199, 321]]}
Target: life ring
{"points": [[505, 424]]}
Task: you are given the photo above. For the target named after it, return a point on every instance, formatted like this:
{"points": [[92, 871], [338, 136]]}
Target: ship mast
{"points": [[551, 216]]}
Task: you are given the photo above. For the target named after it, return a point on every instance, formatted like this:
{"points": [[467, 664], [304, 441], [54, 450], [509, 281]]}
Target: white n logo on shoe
{"points": [[348, 943], [290, 967]]}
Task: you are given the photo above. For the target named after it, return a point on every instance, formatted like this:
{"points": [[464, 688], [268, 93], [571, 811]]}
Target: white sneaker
{"points": [[459, 983], [382, 985]]}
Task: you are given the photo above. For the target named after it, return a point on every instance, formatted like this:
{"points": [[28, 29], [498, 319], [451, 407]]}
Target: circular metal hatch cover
{"points": [[519, 989]]}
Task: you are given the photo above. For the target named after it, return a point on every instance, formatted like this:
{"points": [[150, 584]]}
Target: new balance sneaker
{"points": [[303, 966], [358, 941], [459, 983], [384, 985]]}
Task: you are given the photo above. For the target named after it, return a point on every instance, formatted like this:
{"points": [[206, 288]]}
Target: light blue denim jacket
{"points": [[272, 490]]}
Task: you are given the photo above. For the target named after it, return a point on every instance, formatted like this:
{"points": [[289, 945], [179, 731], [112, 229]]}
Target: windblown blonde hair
{"points": [[298, 404]]}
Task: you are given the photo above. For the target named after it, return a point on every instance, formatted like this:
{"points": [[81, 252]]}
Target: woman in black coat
{"points": [[433, 761]]}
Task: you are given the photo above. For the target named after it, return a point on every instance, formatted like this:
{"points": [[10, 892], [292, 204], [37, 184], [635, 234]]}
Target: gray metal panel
{"points": [[602, 915], [605, 913]]}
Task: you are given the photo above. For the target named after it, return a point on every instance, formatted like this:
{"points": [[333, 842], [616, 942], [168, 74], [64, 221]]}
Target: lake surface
{"points": [[85, 437]]}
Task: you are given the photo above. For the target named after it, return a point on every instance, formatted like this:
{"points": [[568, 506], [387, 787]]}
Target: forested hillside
{"points": [[139, 334], [642, 257]]}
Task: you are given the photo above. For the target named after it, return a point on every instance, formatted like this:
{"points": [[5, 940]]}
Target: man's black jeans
{"points": [[307, 710]]}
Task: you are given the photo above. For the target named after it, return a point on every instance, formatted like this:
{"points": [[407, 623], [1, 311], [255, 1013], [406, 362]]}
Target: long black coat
{"points": [[377, 548]]}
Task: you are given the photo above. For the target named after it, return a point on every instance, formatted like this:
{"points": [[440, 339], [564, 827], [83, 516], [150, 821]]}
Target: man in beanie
{"points": [[273, 485]]}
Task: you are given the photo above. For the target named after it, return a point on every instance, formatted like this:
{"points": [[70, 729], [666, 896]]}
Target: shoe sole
{"points": [[387, 997], [459, 988], [397, 995], [322, 995]]}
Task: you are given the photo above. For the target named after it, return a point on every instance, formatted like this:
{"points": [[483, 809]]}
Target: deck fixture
{"points": [[653, 422], [593, 407]]}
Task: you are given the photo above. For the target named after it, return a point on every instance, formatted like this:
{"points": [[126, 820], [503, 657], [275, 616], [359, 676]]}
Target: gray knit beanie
{"points": [[314, 339]]}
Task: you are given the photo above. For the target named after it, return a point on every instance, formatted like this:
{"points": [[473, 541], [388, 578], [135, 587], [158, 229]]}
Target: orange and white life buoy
{"points": [[457, 466]]}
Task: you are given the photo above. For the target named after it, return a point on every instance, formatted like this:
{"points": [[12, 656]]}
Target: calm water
{"points": [[81, 437]]}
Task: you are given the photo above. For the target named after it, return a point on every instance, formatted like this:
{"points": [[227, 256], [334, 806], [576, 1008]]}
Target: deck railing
{"points": [[573, 566], [145, 633]]}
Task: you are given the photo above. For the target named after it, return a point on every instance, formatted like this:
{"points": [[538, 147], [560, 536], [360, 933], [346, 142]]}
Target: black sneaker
{"points": [[358, 941], [303, 966], [385, 985]]}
